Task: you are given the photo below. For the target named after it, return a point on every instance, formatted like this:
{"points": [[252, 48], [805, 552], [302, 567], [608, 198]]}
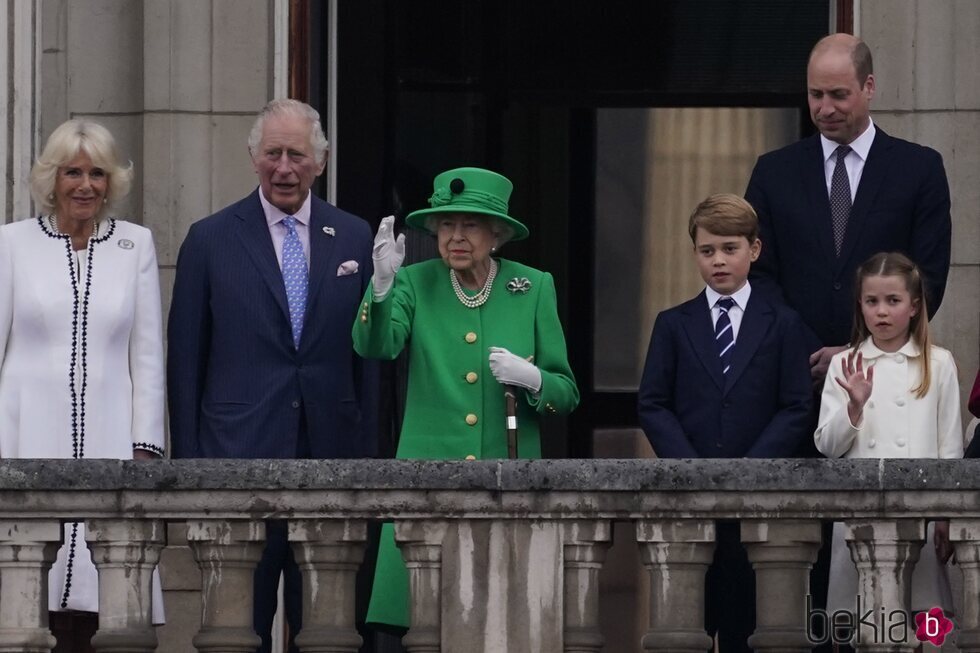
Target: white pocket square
{"points": [[347, 267]]}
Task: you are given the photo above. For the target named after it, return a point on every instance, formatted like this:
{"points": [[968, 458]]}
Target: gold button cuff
{"points": [[471, 457], [471, 377], [471, 419]]}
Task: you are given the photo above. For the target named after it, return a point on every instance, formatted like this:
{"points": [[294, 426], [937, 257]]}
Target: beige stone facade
{"points": [[179, 81]]}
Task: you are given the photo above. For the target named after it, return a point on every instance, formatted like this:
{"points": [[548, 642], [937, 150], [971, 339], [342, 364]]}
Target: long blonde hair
{"points": [[888, 264]]}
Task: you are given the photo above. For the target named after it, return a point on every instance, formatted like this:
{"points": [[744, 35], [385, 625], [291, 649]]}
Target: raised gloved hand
{"points": [[388, 254], [510, 369]]}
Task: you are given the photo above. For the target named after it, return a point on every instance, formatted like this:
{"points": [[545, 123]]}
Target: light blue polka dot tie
{"points": [[296, 276]]}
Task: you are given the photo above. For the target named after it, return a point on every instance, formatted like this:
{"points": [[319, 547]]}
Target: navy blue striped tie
{"points": [[724, 333]]}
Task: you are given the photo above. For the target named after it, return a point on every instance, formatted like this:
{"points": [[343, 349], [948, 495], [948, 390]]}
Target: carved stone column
{"points": [[584, 546], [421, 546], [27, 550], [965, 536], [885, 552], [329, 552], [782, 553], [677, 554], [125, 552], [227, 552]]}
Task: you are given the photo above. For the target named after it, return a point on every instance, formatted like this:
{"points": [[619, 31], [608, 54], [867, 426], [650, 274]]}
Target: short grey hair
{"points": [[70, 139], [293, 108], [500, 229]]}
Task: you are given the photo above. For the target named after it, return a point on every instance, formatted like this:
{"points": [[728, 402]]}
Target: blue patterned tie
{"points": [[296, 276], [724, 333], [840, 198]]}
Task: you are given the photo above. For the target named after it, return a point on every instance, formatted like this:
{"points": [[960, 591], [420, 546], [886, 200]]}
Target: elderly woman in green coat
{"points": [[472, 323]]}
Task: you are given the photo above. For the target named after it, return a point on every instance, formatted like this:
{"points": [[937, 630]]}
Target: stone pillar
{"points": [[965, 536], [227, 552], [125, 551], [27, 550], [421, 546], [584, 550], [885, 552], [782, 553], [329, 552], [677, 554]]}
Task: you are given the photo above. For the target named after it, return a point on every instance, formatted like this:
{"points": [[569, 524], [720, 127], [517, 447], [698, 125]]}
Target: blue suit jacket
{"points": [[236, 383], [902, 204], [689, 409]]}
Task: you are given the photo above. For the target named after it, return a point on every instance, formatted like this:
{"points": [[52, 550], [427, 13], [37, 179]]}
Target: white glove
{"points": [[388, 254], [510, 369]]}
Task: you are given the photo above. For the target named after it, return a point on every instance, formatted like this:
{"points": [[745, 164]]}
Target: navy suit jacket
{"points": [[236, 383], [902, 204], [689, 409]]}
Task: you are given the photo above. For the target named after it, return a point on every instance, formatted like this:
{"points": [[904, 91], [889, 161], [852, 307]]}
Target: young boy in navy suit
{"points": [[726, 376]]}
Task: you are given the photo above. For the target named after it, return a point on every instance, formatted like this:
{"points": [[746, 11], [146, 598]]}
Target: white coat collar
{"points": [[869, 351]]}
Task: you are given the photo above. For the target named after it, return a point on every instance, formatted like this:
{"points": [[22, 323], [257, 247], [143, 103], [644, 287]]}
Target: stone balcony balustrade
{"points": [[502, 555]]}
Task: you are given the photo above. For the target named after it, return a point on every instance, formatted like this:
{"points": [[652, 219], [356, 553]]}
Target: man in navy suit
{"points": [[820, 219], [891, 195], [726, 376], [260, 361]]}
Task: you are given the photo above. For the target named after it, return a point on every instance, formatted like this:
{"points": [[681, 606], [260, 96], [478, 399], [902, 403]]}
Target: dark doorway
{"points": [[608, 117], [521, 87]]}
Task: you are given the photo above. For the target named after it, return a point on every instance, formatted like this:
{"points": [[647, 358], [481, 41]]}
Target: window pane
{"points": [[653, 166]]}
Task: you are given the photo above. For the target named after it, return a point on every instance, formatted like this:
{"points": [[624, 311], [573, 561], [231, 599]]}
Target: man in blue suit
{"points": [[820, 219], [726, 376], [260, 359]]}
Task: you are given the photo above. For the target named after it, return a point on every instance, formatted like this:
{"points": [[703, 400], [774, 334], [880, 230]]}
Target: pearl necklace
{"points": [[480, 298]]}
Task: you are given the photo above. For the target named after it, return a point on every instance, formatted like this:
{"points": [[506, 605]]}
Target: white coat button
{"points": [[871, 403], [899, 401], [871, 444], [900, 442], [900, 358]]}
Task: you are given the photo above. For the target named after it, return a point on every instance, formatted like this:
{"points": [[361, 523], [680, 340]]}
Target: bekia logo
{"points": [[880, 626], [932, 626]]}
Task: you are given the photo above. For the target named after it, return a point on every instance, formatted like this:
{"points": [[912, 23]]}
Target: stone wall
{"points": [[927, 69]]}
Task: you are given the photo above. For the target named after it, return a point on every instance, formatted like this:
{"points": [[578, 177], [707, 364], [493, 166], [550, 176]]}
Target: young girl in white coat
{"points": [[892, 394]]}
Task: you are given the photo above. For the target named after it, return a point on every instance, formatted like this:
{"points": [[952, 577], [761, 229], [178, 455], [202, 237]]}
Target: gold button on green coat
{"points": [[422, 314], [471, 419], [471, 377]]}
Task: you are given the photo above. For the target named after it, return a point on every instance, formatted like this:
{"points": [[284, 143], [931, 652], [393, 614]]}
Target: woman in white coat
{"points": [[81, 345]]}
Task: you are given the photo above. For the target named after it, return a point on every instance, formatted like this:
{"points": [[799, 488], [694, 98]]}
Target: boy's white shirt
{"points": [[735, 313]]}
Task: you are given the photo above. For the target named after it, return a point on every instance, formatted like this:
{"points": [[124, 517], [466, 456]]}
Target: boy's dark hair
{"points": [[725, 214]]}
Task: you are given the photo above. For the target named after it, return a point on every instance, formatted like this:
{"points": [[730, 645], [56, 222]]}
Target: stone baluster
{"points": [[585, 544], [125, 552], [965, 536], [782, 552], [885, 552], [227, 552], [27, 550], [677, 555], [329, 553], [421, 547]]}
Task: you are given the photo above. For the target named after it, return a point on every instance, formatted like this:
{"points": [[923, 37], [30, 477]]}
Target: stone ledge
{"points": [[606, 475]]}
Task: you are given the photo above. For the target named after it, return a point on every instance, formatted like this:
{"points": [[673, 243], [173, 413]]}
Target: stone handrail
{"points": [[564, 507]]}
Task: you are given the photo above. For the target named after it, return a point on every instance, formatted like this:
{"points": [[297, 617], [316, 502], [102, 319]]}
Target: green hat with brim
{"points": [[470, 190]]}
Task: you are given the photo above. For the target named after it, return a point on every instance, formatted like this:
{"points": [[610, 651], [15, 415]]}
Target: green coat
{"points": [[449, 379]]}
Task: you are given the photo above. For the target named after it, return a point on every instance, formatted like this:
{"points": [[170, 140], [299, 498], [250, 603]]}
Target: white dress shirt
{"points": [[853, 162], [735, 313], [274, 218]]}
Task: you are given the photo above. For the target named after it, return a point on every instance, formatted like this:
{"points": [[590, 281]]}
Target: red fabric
{"points": [[975, 397]]}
